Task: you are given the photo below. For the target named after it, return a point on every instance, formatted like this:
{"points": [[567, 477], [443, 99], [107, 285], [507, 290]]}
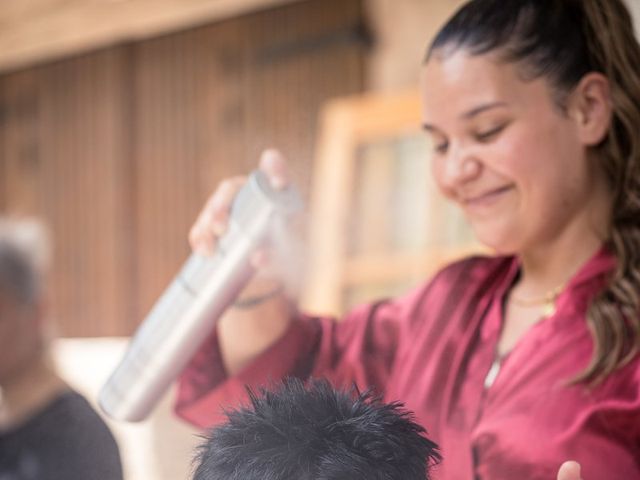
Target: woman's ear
{"points": [[591, 108]]}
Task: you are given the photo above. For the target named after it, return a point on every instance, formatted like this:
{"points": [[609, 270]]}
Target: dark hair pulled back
{"points": [[562, 40]]}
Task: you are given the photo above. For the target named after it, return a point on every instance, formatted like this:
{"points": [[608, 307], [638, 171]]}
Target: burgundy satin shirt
{"points": [[432, 350]]}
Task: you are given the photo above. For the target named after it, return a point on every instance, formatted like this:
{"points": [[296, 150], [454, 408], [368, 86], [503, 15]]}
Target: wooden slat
{"points": [[281, 76], [166, 175], [20, 143], [86, 165]]}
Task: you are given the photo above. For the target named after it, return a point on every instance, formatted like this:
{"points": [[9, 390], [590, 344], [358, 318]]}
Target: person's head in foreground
{"points": [[314, 432], [533, 107]]}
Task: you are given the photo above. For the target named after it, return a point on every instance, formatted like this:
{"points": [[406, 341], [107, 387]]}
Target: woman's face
{"points": [[505, 152]]}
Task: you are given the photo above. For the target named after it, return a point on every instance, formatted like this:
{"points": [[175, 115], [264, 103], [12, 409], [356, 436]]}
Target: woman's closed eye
{"points": [[440, 147], [489, 134], [438, 141]]}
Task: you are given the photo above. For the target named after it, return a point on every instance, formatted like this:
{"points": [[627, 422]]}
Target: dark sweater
{"points": [[67, 440]]}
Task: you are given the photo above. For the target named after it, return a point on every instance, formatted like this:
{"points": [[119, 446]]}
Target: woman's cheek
{"points": [[437, 172]]}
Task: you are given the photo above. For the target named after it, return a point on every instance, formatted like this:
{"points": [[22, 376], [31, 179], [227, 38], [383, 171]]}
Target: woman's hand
{"points": [[213, 219], [262, 313], [569, 471]]}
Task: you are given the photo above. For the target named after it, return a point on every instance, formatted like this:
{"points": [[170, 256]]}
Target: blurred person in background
{"points": [[514, 362], [47, 430], [313, 432]]}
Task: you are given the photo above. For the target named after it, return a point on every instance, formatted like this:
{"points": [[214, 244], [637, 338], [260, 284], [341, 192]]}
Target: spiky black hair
{"points": [[314, 432]]}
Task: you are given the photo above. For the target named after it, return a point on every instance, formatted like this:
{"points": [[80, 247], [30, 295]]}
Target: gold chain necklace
{"points": [[547, 301], [548, 304]]}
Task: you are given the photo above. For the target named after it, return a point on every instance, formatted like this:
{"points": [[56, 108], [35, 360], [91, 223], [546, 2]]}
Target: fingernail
{"points": [[218, 229]]}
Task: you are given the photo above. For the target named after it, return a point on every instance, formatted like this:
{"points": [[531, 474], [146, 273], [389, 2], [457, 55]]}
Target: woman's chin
{"points": [[500, 245]]}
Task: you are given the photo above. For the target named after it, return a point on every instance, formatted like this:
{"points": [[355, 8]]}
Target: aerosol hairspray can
{"points": [[187, 311]]}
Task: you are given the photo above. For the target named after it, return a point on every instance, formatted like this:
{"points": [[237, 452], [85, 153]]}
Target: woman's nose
{"points": [[460, 167]]}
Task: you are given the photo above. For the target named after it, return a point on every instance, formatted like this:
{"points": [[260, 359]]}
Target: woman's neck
{"points": [[29, 392], [550, 264], [548, 268]]}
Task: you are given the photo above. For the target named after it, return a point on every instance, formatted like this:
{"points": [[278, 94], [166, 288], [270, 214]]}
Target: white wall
{"points": [[159, 448]]}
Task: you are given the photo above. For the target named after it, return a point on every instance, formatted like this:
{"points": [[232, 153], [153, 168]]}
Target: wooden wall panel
{"points": [[211, 99], [300, 59], [118, 149], [188, 137], [19, 153], [83, 162], [86, 163], [65, 158]]}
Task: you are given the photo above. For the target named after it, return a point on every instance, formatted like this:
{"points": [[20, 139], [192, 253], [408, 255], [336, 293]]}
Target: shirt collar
{"points": [[597, 267]]}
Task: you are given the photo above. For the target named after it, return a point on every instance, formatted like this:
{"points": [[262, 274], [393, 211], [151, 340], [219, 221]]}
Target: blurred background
{"points": [[119, 117]]}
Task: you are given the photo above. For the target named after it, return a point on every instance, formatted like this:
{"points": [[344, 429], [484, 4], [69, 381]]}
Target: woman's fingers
{"points": [[213, 218], [274, 165], [569, 471]]}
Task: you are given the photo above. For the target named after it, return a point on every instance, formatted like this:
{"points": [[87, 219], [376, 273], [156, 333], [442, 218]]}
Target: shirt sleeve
{"points": [[609, 446], [360, 349], [74, 442], [205, 389]]}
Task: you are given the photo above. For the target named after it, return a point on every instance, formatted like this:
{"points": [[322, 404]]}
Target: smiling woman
{"points": [[510, 156], [522, 360]]}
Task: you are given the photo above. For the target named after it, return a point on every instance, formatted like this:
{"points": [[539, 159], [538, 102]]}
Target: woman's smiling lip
{"points": [[486, 198]]}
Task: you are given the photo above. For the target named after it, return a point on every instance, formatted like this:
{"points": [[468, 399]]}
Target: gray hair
{"points": [[24, 258]]}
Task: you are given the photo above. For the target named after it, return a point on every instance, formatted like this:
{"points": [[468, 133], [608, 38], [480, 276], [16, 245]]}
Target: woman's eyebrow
{"points": [[469, 114], [482, 108]]}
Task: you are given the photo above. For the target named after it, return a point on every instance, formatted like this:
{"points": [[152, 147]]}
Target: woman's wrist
{"points": [[252, 300]]}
